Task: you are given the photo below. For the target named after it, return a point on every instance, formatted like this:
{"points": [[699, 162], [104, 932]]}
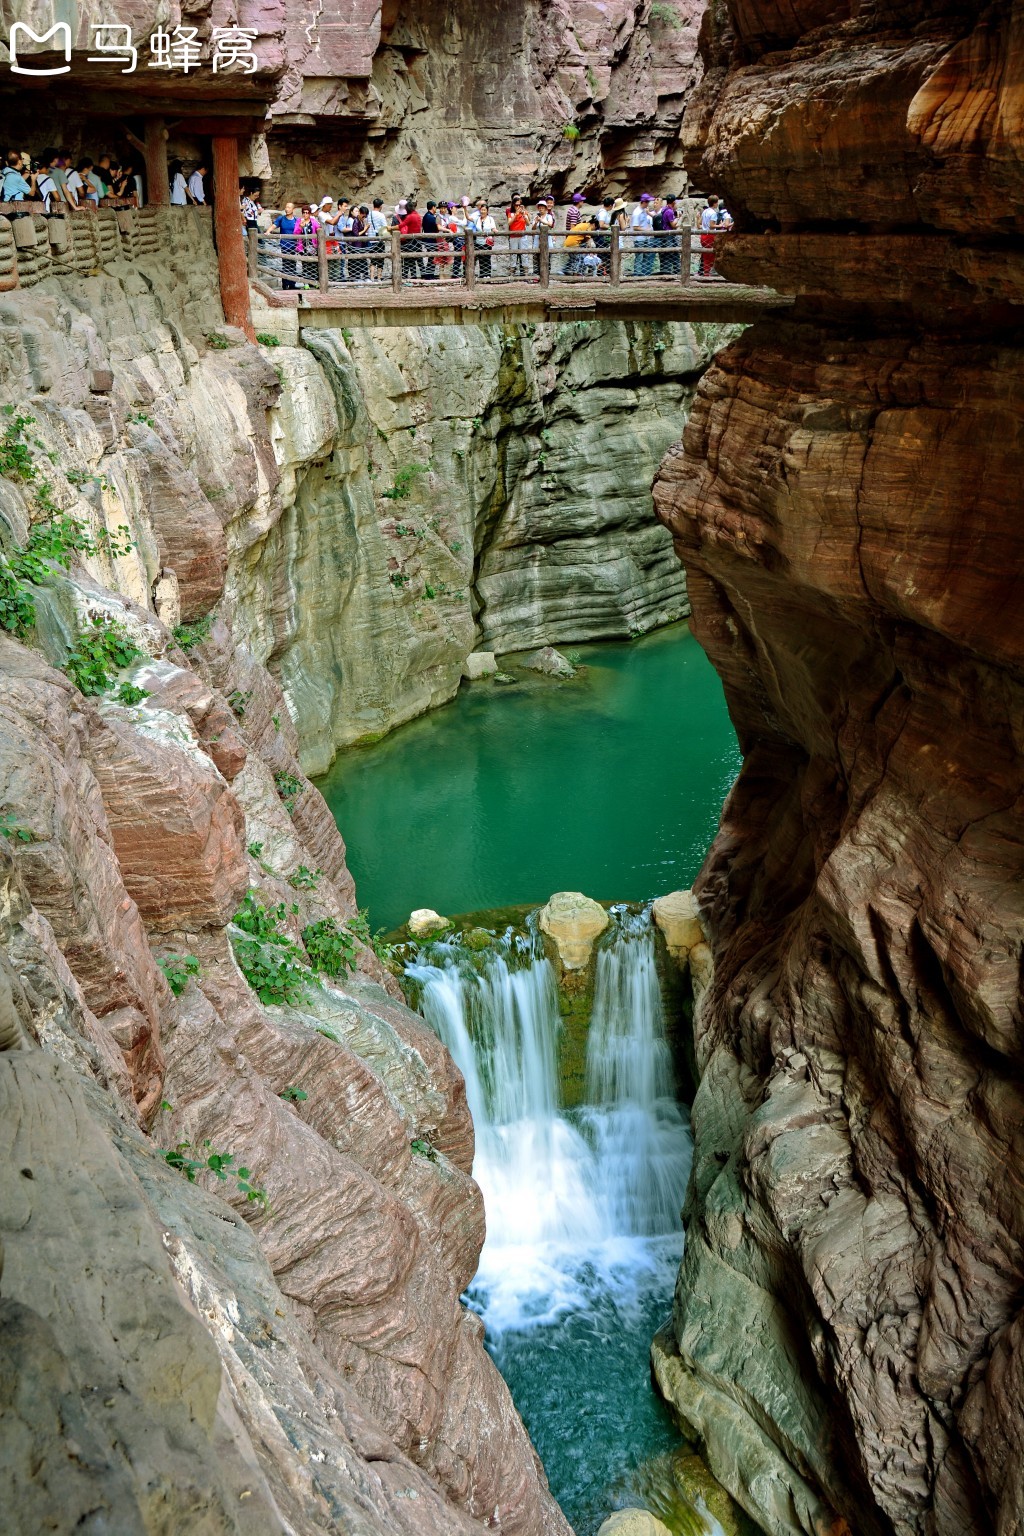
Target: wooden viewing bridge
{"points": [[424, 279]]}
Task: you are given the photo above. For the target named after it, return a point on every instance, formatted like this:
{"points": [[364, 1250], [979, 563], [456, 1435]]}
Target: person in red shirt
{"points": [[410, 227], [516, 218]]}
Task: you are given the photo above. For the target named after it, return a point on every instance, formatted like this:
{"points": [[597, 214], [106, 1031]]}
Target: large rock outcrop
{"points": [[847, 1336], [450, 99], [284, 1348]]}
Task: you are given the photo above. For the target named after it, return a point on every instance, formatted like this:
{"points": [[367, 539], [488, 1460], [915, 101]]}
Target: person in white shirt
{"points": [[544, 218], [179, 190], [642, 226], [196, 186], [709, 222]]}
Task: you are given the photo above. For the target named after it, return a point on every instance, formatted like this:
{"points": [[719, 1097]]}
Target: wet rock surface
{"points": [[847, 1321]]}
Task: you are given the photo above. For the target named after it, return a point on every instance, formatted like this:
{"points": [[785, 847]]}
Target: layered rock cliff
{"points": [[456, 487], [271, 1340], [847, 1334]]}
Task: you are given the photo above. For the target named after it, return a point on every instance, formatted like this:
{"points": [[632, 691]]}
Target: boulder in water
{"points": [[479, 664], [549, 661], [425, 922], [678, 917], [633, 1522], [574, 921]]}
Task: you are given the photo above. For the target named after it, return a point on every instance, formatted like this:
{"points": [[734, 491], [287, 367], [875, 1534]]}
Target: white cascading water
{"points": [[572, 1198]]}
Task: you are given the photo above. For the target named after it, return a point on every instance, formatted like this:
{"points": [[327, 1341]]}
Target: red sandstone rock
{"points": [[845, 503]]}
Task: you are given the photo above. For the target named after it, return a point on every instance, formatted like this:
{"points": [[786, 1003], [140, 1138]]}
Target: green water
{"points": [[609, 784]]}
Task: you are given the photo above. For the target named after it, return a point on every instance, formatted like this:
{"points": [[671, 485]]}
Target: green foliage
{"points": [[477, 423], [591, 80], [331, 948], [192, 1161], [666, 15], [405, 479], [275, 721], [571, 132], [239, 701], [260, 921], [128, 693], [271, 962], [424, 1149], [305, 879], [289, 788], [10, 829], [179, 969], [16, 461], [328, 1034], [574, 658], [218, 342], [399, 579], [403, 531], [293, 1095], [266, 339], [455, 547], [17, 606], [274, 971], [255, 849], [142, 419], [346, 335], [189, 636], [103, 648]]}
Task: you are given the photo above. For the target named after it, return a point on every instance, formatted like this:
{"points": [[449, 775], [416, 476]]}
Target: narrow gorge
{"points": [[328, 1216]]}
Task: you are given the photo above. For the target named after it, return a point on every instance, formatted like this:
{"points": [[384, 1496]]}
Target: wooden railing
{"points": [[336, 263]]}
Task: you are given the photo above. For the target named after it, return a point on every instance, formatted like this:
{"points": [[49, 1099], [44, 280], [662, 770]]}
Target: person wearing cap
{"points": [[668, 261], [641, 226], [543, 218]]}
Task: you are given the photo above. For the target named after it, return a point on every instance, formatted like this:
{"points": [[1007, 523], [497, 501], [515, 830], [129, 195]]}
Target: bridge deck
{"points": [[374, 305]]}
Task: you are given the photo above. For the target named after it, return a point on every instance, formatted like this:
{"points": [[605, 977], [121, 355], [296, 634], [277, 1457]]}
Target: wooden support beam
{"points": [[158, 192], [229, 234]]}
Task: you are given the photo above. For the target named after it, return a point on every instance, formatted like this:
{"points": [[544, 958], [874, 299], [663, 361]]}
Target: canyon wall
{"points": [[847, 1338], [272, 1340], [449, 99], [460, 487]]}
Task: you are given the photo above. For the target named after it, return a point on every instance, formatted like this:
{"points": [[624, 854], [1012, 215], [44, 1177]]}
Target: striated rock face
{"points": [[847, 1331], [470, 487], [449, 98], [176, 1354]]}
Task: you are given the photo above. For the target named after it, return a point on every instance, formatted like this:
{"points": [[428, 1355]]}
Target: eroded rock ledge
{"points": [[848, 1336], [174, 1353]]}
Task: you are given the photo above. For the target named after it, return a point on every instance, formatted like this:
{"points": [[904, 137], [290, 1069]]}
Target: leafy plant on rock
{"points": [[11, 829], [179, 970], [289, 788], [304, 879], [293, 1095], [267, 339], [405, 479], [424, 1149], [188, 636], [331, 948], [104, 647], [192, 1161], [129, 694]]}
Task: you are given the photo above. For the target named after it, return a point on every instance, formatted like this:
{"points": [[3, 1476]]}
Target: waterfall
{"points": [[573, 1198]]}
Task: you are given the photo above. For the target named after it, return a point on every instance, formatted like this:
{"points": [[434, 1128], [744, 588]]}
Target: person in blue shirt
{"points": [[13, 185], [286, 224]]}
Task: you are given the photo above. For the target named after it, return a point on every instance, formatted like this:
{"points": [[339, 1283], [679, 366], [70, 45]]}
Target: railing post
{"points": [[321, 257], [543, 257], [615, 264], [253, 254], [469, 264], [686, 239], [396, 259]]}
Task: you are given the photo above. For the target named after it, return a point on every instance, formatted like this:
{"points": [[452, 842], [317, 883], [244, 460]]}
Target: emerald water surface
{"points": [[610, 784]]}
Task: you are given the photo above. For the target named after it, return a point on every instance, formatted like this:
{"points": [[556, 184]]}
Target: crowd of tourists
{"points": [[507, 242], [434, 243]]}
